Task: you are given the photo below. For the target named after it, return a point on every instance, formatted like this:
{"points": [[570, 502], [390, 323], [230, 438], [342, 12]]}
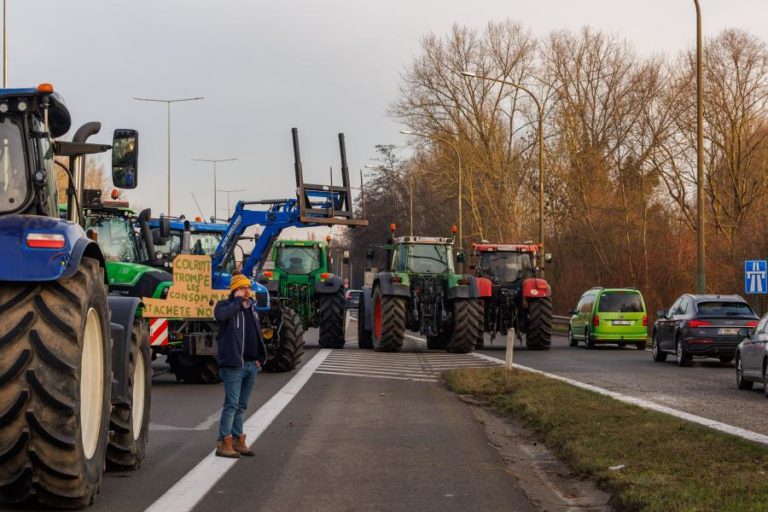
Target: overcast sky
{"points": [[323, 66]]}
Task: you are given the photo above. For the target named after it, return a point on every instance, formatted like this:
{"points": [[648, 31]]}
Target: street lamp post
{"points": [[409, 180], [229, 210], [5, 43], [458, 160], [540, 110], [701, 279], [168, 103], [214, 161]]}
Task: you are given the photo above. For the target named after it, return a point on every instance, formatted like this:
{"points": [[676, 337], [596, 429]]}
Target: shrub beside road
{"points": [[648, 460]]}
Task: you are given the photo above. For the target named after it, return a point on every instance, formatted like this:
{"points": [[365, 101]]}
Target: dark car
{"points": [[752, 358], [702, 325], [352, 298]]}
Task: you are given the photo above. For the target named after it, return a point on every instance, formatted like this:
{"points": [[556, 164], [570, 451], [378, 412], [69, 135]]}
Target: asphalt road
{"points": [[373, 431]]}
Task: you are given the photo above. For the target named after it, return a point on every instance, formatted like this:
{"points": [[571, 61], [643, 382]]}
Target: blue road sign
{"points": [[756, 276]]}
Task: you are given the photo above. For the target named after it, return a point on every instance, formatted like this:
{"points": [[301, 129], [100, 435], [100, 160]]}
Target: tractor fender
{"points": [[332, 284], [384, 281], [367, 299], [484, 286], [465, 291], [84, 247], [535, 288], [123, 312]]}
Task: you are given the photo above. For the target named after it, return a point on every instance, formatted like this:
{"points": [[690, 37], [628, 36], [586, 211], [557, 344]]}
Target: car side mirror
{"points": [[573, 312], [661, 314], [125, 158]]}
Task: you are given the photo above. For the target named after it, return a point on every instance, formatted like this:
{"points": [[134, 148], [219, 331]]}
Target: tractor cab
{"points": [[423, 255], [110, 223], [505, 264], [300, 258]]}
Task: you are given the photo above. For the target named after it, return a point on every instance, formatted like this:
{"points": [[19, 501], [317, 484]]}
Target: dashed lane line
{"points": [[193, 486]]}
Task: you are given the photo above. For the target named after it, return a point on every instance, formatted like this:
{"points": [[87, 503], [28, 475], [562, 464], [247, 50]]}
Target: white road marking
{"points": [[645, 404], [416, 379], [188, 491]]}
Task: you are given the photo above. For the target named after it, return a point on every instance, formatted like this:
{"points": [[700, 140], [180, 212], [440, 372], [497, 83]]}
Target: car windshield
{"points": [[429, 259], [620, 302], [724, 308], [506, 267], [298, 260], [13, 176], [115, 237]]}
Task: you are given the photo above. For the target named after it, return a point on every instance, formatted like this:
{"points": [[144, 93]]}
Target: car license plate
{"points": [[729, 331], [622, 322]]}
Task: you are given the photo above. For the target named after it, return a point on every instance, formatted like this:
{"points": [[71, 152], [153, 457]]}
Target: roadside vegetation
{"points": [[648, 460], [619, 156]]}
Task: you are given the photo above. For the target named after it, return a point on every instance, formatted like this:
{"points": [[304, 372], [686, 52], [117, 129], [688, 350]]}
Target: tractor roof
{"points": [[59, 119], [506, 247], [427, 240], [299, 243]]}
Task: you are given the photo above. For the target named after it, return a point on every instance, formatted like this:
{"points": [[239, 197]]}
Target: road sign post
{"points": [[756, 277]]}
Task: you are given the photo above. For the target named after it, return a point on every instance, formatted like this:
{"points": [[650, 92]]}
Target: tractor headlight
{"points": [[3, 107], [22, 106]]}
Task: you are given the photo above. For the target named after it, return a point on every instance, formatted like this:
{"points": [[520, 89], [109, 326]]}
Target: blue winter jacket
{"points": [[239, 338]]}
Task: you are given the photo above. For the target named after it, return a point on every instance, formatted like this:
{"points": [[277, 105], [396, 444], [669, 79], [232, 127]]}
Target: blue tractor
{"points": [[74, 388]]}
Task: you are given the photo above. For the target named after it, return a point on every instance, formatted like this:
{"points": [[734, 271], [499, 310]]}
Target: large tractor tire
{"points": [[364, 336], [194, 369], [130, 422], [388, 322], [286, 353], [467, 323], [331, 313], [539, 335], [55, 388]]}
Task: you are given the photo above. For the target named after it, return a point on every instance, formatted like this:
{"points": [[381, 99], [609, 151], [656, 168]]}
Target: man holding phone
{"points": [[242, 355]]}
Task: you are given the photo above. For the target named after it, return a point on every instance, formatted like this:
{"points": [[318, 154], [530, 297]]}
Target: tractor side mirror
{"points": [[125, 158], [345, 257], [461, 257], [548, 257]]}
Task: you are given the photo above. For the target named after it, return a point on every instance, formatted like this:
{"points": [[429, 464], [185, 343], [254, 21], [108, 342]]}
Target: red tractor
{"points": [[514, 297]]}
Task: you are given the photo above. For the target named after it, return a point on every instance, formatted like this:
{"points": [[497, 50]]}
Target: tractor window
{"points": [[429, 259], [204, 243], [13, 175], [298, 260], [116, 238], [506, 267]]}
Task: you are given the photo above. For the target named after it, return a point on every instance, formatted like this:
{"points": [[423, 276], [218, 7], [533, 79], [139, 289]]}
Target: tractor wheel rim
{"points": [[377, 317], [91, 383], [139, 387]]}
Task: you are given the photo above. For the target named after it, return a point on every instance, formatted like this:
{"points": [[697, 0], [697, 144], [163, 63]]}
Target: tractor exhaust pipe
{"points": [[186, 238], [77, 168]]}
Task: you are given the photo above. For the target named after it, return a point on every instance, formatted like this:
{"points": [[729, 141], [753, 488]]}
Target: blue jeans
{"points": [[238, 387]]}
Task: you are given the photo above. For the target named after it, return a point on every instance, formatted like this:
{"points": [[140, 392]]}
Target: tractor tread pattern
{"points": [[290, 349], [467, 326], [539, 335], [331, 320], [126, 451], [392, 323], [41, 325]]}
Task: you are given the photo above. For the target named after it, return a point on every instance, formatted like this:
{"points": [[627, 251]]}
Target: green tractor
{"points": [[301, 277], [420, 291]]}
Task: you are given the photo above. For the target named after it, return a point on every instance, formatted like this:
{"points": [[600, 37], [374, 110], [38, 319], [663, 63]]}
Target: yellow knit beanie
{"points": [[237, 281]]}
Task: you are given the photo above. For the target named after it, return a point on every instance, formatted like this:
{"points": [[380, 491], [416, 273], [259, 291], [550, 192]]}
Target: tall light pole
{"points": [[229, 210], [168, 103], [214, 161], [540, 110], [458, 160], [409, 180], [701, 279]]}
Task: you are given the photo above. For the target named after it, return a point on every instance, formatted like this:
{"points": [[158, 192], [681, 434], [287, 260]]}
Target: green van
{"points": [[609, 315]]}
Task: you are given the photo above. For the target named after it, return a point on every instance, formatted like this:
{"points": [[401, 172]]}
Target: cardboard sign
{"points": [[191, 295]]}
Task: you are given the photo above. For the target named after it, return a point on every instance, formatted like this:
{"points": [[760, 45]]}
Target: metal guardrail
{"points": [[560, 319]]}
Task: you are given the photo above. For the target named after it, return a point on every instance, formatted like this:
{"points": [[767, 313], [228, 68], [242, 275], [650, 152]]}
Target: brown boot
{"points": [[241, 446], [225, 449]]}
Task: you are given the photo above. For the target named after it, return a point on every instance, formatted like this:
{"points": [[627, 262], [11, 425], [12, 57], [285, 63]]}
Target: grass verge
{"points": [[669, 464]]}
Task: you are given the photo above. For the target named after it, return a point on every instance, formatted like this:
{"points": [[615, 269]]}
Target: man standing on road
{"points": [[242, 354]]}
